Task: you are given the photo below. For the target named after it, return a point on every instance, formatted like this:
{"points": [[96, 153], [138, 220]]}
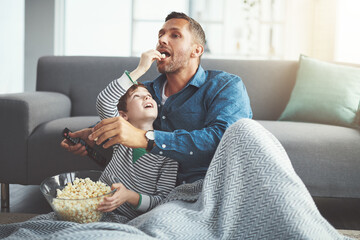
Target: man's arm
{"points": [[227, 105]]}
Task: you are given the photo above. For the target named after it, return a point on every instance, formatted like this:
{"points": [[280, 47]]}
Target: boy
{"points": [[143, 179]]}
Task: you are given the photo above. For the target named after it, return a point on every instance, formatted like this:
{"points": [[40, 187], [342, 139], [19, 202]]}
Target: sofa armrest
{"points": [[32, 109], [20, 114]]}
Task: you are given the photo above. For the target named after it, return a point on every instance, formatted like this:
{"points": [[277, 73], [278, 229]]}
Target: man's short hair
{"points": [[195, 27], [122, 105]]}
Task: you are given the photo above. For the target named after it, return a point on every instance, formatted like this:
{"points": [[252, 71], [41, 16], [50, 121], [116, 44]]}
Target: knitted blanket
{"points": [[250, 191]]}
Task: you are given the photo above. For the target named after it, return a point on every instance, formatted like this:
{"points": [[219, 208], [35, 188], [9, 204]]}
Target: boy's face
{"points": [[141, 107]]}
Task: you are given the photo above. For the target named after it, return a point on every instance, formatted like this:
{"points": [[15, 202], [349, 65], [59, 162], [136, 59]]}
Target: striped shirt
{"points": [[152, 176]]}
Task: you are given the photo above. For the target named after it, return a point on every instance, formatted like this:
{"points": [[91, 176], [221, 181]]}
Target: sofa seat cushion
{"points": [[45, 152], [326, 157]]}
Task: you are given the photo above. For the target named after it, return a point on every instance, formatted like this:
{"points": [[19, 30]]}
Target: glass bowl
{"points": [[75, 210]]}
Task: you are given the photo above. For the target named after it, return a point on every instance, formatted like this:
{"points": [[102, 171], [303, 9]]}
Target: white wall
{"points": [[39, 36], [11, 46], [310, 29], [100, 28]]}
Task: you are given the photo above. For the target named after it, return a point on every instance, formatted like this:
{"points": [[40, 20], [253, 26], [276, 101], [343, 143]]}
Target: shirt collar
{"points": [[199, 78]]}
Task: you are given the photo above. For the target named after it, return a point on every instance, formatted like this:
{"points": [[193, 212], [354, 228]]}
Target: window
{"points": [[93, 27], [148, 18], [210, 14], [248, 28], [347, 48]]}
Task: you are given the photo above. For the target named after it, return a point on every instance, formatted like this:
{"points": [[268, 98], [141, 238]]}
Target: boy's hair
{"points": [[195, 27], [122, 106]]}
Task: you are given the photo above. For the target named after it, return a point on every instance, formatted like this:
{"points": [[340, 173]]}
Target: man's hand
{"points": [[121, 196], [147, 58], [78, 149], [118, 131]]}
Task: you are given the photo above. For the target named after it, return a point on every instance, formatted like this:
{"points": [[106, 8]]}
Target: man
{"points": [[195, 106]]}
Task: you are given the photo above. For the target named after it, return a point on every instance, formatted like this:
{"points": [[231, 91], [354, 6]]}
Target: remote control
{"points": [[92, 153]]}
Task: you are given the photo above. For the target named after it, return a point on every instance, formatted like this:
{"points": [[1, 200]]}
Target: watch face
{"points": [[150, 135]]}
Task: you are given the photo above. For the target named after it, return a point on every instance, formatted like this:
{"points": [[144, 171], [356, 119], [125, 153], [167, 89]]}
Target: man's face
{"points": [[141, 106], [177, 43]]}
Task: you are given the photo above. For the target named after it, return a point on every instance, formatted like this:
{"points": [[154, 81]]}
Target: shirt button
{"points": [[160, 152], [158, 105], [163, 117], [191, 153], [163, 146]]}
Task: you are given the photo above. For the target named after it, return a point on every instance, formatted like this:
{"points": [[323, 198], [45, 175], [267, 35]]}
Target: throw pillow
{"points": [[324, 93]]}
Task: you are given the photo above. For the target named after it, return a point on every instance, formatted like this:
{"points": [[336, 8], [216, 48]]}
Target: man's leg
{"points": [[255, 193]]}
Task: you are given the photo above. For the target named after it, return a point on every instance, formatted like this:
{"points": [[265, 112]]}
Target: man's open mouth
{"points": [[164, 53]]}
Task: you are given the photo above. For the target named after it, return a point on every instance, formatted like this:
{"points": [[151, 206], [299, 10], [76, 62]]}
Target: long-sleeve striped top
{"points": [[152, 176]]}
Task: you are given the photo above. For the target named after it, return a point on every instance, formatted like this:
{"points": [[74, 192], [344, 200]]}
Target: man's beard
{"points": [[174, 65]]}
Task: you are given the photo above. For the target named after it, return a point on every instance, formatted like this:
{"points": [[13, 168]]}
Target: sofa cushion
{"points": [[324, 93], [326, 157], [268, 83], [45, 152]]}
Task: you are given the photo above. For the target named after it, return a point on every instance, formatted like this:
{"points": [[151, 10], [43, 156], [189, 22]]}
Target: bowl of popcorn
{"points": [[75, 196]]}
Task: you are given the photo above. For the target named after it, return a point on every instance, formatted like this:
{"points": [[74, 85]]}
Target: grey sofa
{"points": [[327, 158]]}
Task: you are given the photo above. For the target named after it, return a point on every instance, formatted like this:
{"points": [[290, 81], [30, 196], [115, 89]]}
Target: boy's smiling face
{"points": [[141, 107]]}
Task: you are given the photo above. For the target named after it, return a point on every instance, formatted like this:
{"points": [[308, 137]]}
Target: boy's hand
{"points": [[147, 58], [120, 197], [78, 149]]}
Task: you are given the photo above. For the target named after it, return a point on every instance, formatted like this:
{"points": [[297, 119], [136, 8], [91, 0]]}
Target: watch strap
{"points": [[150, 139], [150, 145]]}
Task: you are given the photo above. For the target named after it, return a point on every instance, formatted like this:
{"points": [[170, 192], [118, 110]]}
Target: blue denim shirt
{"points": [[191, 123]]}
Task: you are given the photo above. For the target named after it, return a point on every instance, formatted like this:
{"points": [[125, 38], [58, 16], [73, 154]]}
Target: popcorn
{"points": [[163, 55], [79, 200]]}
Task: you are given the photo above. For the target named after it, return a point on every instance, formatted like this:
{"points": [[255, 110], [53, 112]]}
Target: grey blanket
{"points": [[250, 191]]}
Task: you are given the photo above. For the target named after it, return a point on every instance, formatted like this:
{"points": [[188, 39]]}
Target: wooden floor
{"points": [[341, 213]]}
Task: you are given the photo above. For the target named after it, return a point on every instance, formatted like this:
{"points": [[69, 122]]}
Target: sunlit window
{"points": [[94, 27], [129, 27], [348, 36], [249, 29], [148, 17]]}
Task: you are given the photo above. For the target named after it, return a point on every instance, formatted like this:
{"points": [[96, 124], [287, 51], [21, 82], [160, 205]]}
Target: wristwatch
{"points": [[150, 136]]}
